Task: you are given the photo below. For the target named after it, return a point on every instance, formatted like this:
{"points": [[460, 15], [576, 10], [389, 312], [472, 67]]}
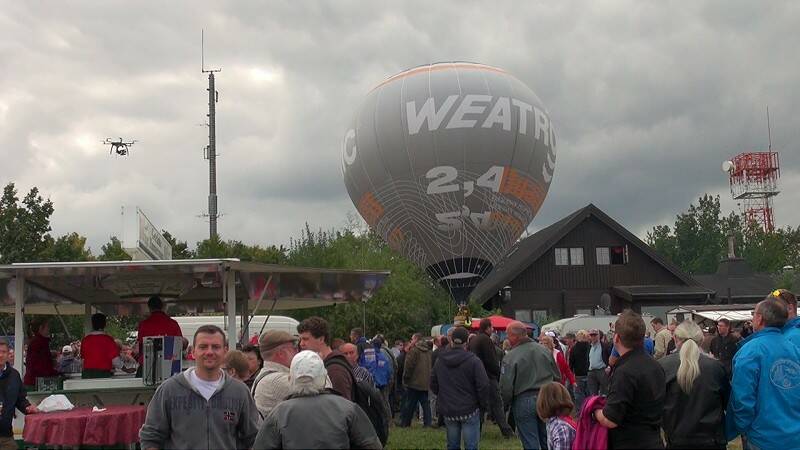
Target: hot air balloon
{"points": [[449, 163]]}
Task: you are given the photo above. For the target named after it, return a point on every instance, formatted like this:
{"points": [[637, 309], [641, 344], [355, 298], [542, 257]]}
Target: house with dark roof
{"points": [[584, 261], [736, 282]]}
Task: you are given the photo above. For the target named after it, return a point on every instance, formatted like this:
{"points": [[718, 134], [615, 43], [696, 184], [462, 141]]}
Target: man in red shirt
{"points": [[157, 324], [99, 351]]}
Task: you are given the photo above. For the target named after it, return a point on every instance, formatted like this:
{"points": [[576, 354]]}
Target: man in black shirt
{"points": [[484, 349], [723, 346], [637, 389]]}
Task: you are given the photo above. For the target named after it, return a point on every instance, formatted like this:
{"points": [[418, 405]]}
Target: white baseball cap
{"points": [[307, 364]]}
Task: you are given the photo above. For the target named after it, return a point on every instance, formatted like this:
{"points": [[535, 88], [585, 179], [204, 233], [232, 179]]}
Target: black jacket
{"points": [[697, 419], [483, 347], [12, 394], [579, 359], [460, 383], [723, 348]]}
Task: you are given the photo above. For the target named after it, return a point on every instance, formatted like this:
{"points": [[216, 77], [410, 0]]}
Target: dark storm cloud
{"points": [[648, 99]]}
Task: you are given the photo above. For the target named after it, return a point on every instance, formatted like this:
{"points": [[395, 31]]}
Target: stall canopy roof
{"points": [[123, 287], [734, 313]]}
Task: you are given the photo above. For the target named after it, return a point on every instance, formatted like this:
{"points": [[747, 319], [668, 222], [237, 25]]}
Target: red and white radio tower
{"points": [[754, 181]]}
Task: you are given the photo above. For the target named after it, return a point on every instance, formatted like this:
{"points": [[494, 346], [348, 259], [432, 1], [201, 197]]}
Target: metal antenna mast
{"points": [[211, 149]]}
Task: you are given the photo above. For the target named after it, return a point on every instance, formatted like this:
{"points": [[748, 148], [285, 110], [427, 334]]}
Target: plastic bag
{"points": [[55, 402]]}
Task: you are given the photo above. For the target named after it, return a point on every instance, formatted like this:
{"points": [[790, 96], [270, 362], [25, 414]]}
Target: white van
{"points": [[587, 322], [190, 324]]}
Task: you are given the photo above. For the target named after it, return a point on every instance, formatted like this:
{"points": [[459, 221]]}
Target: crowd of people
{"points": [[682, 388]]}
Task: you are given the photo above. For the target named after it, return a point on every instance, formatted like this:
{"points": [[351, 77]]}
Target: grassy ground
{"points": [[419, 437], [424, 438]]}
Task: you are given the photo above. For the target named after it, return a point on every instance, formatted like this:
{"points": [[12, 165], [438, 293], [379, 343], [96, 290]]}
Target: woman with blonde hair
{"points": [[697, 393], [561, 362]]}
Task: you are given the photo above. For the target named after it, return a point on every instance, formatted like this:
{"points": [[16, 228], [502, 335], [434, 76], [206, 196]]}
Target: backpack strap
{"points": [[259, 378], [340, 361]]}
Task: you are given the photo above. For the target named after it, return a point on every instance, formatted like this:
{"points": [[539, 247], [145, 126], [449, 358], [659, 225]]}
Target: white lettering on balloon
{"points": [[443, 177], [499, 113], [349, 153]]}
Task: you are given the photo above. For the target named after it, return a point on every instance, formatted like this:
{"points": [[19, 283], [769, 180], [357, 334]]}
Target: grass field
{"points": [[418, 437]]}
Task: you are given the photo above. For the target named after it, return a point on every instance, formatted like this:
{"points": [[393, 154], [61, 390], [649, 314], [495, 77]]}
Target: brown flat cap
{"points": [[273, 338]]}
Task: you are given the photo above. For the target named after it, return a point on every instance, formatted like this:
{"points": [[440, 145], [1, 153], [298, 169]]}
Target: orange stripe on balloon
{"points": [[437, 68], [370, 208], [523, 188]]}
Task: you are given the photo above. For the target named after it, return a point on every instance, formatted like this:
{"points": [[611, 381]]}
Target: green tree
{"points": [[697, 241], [218, 248], [112, 251], [69, 247], [180, 249], [24, 228], [409, 301]]}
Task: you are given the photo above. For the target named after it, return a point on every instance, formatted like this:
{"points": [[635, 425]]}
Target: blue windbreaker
{"points": [[791, 331], [765, 392]]}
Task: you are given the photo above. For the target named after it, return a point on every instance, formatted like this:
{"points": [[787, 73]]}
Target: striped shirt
{"points": [[362, 374], [560, 434]]}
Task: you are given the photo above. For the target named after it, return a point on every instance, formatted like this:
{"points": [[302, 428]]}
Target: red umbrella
{"points": [[499, 323]]}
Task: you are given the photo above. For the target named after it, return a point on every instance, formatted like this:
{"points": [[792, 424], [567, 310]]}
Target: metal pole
{"points": [[364, 327], [258, 305], [212, 157], [229, 297], [19, 325]]}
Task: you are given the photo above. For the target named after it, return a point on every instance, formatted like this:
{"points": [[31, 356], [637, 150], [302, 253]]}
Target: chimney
{"points": [[731, 246]]}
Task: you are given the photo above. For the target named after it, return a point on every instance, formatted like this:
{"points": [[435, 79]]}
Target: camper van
{"points": [[190, 324], [603, 323]]}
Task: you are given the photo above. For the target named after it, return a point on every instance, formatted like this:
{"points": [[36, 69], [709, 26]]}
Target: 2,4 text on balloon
{"points": [[443, 177]]}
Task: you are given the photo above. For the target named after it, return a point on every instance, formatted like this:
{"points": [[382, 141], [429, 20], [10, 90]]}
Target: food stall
{"points": [[208, 286]]}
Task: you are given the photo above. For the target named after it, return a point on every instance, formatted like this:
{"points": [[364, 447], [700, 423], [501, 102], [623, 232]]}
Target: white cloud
{"points": [[648, 100]]}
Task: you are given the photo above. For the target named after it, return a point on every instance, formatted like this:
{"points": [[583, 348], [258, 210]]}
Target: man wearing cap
{"points": [[462, 388], [313, 417], [526, 368], [599, 353], [271, 386], [158, 323]]}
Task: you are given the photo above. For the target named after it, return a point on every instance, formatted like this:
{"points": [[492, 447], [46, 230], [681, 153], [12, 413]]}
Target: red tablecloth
{"points": [[118, 424]]}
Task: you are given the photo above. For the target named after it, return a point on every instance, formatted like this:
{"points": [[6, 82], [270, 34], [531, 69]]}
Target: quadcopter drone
{"points": [[120, 147]]}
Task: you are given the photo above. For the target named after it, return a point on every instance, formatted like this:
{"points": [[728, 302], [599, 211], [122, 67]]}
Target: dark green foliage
{"points": [[112, 251], [25, 227], [409, 302], [699, 240]]}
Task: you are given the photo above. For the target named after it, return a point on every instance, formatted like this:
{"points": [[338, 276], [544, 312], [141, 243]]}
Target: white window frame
{"points": [[576, 253], [523, 315], [603, 256], [562, 256]]}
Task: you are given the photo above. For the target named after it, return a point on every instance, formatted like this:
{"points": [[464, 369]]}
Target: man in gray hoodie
{"points": [[202, 408]]}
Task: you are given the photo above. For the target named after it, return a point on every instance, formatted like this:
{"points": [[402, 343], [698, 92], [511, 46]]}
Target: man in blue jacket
{"points": [[12, 396], [765, 390], [791, 330]]}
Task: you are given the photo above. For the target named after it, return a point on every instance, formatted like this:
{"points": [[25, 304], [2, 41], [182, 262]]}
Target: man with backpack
{"points": [[271, 385], [378, 365], [314, 336]]}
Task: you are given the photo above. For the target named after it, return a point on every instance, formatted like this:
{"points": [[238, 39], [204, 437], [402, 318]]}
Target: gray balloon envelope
{"points": [[450, 162]]}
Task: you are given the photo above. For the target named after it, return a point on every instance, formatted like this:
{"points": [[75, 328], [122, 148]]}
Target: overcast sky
{"points": [[648, 99]]}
